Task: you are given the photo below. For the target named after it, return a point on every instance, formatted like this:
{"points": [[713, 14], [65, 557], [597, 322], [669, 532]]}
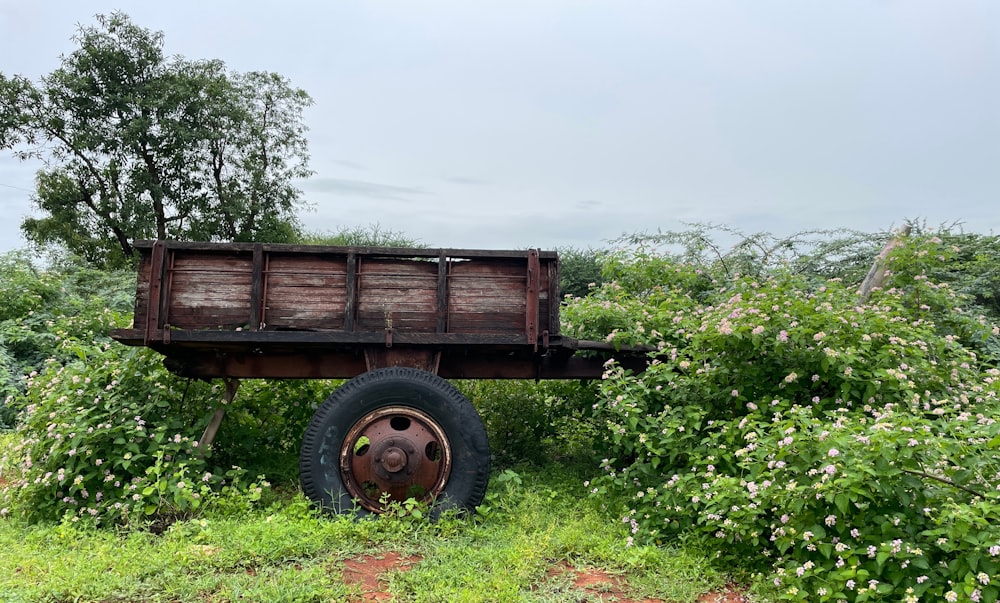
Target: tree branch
{"points": [[943, 480]]}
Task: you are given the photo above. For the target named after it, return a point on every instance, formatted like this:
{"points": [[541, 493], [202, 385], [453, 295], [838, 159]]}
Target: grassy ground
{"points": [[532, 523]]}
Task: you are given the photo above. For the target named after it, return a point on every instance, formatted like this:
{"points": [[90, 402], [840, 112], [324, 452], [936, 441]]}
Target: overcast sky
{"points": [[551, 123]]}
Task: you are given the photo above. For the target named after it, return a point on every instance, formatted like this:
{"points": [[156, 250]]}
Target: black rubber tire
{"points": [[319, 467]]}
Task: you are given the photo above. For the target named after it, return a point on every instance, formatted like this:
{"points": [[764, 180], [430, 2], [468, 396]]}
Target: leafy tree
{"points": [[579, 271], [974, 269], [139, 145]]}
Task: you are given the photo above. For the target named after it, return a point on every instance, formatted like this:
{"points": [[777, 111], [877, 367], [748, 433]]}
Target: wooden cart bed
{"points": [[292, 311]]}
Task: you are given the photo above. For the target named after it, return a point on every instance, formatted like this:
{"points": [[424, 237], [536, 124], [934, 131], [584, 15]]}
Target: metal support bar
{"points": [[232, 384]]}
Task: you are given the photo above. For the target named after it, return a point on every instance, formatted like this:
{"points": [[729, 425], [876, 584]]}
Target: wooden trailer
{"points": [[395, 321]]}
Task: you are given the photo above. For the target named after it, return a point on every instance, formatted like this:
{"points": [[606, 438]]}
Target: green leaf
{"points": [[843, 502], [990, 594], [973, 560]]}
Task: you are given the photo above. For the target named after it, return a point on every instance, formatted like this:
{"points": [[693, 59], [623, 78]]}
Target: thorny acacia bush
{"points": [[846, 451]]}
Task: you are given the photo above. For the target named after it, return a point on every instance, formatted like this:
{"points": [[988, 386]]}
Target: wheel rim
{"points": [[393, 454]]}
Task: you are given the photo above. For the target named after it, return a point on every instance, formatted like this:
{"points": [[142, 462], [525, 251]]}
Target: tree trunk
{"points": [[876, 275]]}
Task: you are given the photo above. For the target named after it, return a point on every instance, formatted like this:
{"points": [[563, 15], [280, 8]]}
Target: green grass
{"points": [[531, 523]]}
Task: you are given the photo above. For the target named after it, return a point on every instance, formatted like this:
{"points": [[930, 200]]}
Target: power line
{"points": [[16, 188]]}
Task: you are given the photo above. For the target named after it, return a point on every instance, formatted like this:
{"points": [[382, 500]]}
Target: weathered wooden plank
{"points": [[257, 287], [399, 321], [290, 300], [277, 282], [484, 302], [442, 294], [209, 290], [381, 297], [155, 302], [531, 302], [487, 287], [208, 318], [142, 290], [325, 296], [222, 294], [400, 294], [306, 292], [499, 265], [351, 302], [217, 263], [377, 265], [488, 323]]}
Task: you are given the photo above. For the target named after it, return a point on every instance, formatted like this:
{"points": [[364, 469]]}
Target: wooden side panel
{"points": [[209, 290], [305, 292], [402, 293], [487, 297], [212, 287]]}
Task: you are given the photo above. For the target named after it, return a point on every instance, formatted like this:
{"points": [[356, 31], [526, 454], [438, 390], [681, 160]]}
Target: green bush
{"points": [[40, 310], [536, 423], [23, 288], [105, 432], [263, 427], [108, 438], [847, 450], [579, 271]]}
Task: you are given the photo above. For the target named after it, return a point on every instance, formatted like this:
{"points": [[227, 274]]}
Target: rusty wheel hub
{"points": [[392, 454]]}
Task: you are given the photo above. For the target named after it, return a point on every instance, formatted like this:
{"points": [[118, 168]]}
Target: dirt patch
{"points": [[599, 585], [729, 595], [602, 587], [367, 573]]}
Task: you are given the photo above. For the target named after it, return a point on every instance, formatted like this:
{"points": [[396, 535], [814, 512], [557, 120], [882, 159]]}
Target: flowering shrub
{"points": [[108, 439], [849, 450], [42, 310], [105, 432], [263, 426]]}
